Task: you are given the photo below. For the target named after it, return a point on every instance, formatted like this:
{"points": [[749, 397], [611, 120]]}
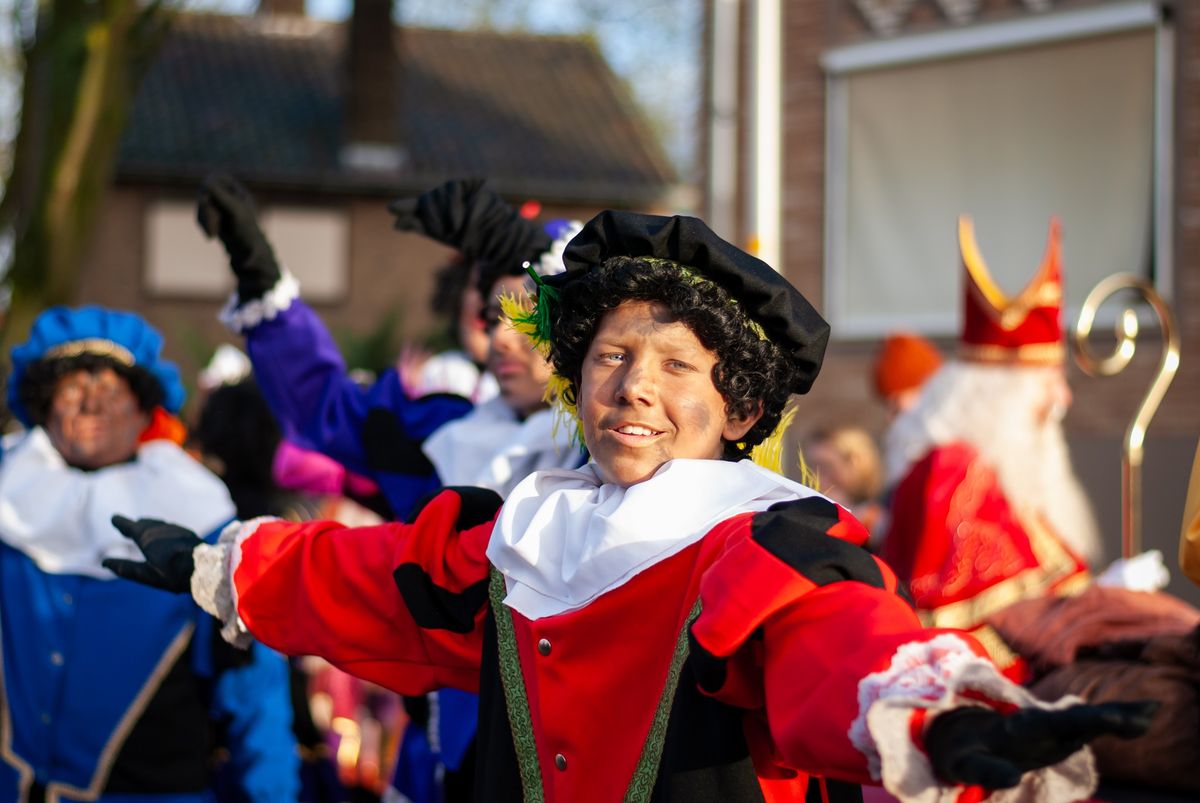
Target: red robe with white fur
{"points": [[966, 550]]}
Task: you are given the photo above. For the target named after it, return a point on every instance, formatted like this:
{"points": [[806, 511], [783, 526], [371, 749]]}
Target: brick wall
{"points": [[1105, 405]]}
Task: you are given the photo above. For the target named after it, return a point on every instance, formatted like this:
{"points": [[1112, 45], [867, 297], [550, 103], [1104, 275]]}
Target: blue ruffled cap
{"points": [[60, 325]]}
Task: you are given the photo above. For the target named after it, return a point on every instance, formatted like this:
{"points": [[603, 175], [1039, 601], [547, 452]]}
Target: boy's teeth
{"points": [[635, 431]]}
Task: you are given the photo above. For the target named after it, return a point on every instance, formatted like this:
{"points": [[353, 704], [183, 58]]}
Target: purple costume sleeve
{"points": [[304, 380]]}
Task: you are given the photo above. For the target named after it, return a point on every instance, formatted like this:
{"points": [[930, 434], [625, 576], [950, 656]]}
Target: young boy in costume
{"points": [[410, 447], [671, 622]]}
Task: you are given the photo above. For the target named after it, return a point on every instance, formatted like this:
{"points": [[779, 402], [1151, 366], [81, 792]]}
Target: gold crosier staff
{"points": [[1126, 329]]}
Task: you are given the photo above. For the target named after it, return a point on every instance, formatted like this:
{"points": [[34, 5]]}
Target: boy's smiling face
{"points": [[646, 395]]}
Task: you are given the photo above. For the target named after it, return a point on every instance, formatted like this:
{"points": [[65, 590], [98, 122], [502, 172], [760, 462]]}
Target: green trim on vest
{"points": [[641, 785], [517, 703]]}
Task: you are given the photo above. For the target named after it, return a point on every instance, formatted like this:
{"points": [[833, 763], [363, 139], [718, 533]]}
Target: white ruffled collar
{"points": [[60, 516], [490, 448], [564, 538]]}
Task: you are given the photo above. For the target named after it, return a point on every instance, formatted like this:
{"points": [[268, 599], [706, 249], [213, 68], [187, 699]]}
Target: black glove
{"points": [[168, 550], [979, 746], [226, 210], [466, 215], [443, 212]]}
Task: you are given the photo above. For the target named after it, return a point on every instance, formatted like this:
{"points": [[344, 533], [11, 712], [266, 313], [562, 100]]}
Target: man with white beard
{"points": [[986, 508]]}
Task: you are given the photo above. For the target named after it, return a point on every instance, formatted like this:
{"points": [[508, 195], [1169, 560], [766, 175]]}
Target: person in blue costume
{"points": [[409, 447], [113, 692]]}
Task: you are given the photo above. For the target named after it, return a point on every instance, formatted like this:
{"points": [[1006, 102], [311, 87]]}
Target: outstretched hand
{"points": [[225, 210], [168, 550], [979, 746]]}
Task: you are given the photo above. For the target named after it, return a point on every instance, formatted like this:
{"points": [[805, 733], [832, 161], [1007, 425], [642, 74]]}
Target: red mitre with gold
{"points": [[1023, 330]]}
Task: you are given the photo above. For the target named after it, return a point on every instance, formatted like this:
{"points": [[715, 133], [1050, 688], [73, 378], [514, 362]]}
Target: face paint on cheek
{"points": [[698, 428]]}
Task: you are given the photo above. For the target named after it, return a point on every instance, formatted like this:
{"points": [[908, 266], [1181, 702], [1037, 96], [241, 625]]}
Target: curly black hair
{"points": [[490, 273], [237, 426], [449, 283], [750, 370], [41, 378]]}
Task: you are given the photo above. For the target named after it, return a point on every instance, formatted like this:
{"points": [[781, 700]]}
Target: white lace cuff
{"points": [[212, 579], [938, 675], [239, 317]]}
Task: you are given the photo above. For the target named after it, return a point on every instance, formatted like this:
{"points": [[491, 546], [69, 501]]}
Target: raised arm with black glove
{"points": [[226, 210], [983, 747], [168, 550]]}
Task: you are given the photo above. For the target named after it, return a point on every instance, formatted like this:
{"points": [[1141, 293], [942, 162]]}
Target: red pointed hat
{"points": [[1025, 329]]}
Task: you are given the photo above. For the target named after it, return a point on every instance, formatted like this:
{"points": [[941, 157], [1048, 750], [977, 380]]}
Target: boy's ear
{"points": [[736, 426]]}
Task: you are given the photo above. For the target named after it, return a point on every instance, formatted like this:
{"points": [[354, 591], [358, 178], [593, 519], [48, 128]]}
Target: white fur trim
{"points": [[212, 579], [240, 317], [932, 675], [1143, 572]]}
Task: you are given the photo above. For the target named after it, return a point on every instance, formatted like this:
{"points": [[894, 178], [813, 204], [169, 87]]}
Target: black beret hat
{"points": [[768, 298], [466, 215]]}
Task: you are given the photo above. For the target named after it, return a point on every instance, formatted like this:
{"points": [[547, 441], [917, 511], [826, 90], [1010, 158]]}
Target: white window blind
{"points": [[1009, 137], [312, 243]]}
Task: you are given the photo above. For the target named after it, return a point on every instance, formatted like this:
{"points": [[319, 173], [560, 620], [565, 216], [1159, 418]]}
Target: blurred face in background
{"points": [[1056, 396], [847, 464], [519, 369], [472, 330], [901, 402], [94, 419]]}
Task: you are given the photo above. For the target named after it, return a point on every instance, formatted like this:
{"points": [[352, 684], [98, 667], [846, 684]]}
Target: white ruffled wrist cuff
{"points": [[239, 317], [936, 676], [212, 579]]}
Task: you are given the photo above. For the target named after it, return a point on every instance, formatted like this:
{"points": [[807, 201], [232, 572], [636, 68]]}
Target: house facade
{"points": [[896, 116], [326, 123]]}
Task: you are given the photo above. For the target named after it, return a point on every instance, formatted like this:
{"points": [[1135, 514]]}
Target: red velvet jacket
{"points": [[755, 693]]}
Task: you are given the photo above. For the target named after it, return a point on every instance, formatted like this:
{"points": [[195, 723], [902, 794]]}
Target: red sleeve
{"points": [[817, 615], [401, 605]]}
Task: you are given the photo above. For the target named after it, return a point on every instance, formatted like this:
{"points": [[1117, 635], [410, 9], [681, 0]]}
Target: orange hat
{"points": [[905, 361], [1024, 330]]}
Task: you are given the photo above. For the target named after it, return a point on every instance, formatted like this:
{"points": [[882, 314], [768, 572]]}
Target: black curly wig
{"points": [[41, 378], [750, 370], [237, 426], [449, 283]]}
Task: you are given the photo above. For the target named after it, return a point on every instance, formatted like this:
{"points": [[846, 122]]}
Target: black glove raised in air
{"points": [[168, 550], [468, 216], [226, 210], [982, 747]]}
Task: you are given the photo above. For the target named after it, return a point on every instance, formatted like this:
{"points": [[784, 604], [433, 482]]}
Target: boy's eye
{"points": [[680, 365], [612, 356]]}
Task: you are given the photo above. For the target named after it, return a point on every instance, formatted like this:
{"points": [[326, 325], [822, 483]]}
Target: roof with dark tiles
{"points": [[263, 97]]}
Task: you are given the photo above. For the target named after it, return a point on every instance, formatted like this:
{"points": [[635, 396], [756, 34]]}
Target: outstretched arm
{"points": [[373, 601], [815, 634]]}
